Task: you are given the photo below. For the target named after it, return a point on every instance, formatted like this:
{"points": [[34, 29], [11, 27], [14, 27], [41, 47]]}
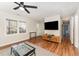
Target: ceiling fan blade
{"points": [[17, 3], [27, 10], [30, 6], [16, 8], [22, 3]]}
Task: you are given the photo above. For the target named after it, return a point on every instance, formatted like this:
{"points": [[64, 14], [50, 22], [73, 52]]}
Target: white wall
{"points": [[72, 24], [40, 28], [54, 18], [75, 29], [76, 32], [7, 39]]}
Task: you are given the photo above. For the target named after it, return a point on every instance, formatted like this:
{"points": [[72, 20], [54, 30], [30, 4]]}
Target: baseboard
{"points": [[8, 45]]}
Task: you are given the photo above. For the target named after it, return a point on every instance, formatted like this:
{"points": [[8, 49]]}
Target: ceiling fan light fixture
{"points": [[21, 8]]}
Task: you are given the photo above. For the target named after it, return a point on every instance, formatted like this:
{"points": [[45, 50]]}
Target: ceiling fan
{"points": [[21, 5]]}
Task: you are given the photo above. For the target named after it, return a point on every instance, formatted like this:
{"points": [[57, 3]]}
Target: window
{"points": [[22, 27], [11, 26]]}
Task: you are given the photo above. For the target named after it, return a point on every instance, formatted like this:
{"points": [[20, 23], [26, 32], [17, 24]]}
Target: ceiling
{"points": [[44, 9]]}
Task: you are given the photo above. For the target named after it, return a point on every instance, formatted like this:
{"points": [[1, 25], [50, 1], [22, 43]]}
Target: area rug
{"points": [[41, 51]]}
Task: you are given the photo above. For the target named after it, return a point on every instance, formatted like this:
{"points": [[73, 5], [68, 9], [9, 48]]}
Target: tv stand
{"points": [[51, 38]]}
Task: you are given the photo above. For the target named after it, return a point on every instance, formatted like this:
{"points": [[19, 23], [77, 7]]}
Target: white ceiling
{"points": [[44, 9]]}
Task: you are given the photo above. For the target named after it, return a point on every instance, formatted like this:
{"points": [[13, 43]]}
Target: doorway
{"points": [[66, 29]]}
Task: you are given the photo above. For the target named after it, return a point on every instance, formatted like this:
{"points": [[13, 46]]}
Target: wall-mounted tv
{"points": [[53, 25]]}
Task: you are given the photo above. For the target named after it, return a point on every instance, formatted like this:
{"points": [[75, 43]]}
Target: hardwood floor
{"points": [[65, 48]]}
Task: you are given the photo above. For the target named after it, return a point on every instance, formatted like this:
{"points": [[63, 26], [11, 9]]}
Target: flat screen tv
{"points": [[53, 25]]}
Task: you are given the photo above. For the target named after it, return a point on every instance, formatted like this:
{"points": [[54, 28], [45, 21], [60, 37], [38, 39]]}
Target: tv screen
{"points": [[53, 25]]}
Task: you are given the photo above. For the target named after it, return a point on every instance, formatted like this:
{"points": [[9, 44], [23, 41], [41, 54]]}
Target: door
{"points": [[66, 29]]}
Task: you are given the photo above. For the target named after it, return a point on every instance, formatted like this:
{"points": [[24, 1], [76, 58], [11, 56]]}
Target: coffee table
{"points": [[22, 49]]}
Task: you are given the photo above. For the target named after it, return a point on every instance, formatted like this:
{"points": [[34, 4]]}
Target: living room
{"points": [[18, 26]]}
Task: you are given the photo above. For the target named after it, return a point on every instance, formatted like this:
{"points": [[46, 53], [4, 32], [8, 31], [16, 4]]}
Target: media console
{"points": [[52, 38]]}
